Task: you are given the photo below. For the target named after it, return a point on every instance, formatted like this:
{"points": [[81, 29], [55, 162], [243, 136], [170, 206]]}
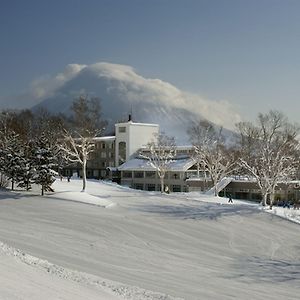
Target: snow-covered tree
{"points": [[28, 168], [78, 150], [28, 126], [269, 151], [3, 181], [211, 152], [12, 157], [46, 124], [77, 144], [162, 151], [44, 163]]}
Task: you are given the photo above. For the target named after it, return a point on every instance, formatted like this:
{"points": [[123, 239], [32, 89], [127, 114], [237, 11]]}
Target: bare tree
{"points": [[78, 150], [211, 152], [86, 119], [269, 151], [77, 144], [162, 151]]}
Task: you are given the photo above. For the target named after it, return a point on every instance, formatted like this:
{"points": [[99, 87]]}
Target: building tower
{"points": [[130, 137]]}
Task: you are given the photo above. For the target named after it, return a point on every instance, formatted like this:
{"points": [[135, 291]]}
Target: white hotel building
{"points": [[116, 158]]}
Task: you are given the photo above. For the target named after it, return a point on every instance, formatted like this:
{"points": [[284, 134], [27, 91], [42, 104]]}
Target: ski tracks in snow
{"points": [[275, 240]]}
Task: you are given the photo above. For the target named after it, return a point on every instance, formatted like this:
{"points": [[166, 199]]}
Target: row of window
{"points": [[147, 174], [104, 145], [97, 155], [157, 187], [101, 164]]}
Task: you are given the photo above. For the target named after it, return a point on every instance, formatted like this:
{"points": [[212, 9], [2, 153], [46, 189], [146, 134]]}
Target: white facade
{"points": [[130, 137]]}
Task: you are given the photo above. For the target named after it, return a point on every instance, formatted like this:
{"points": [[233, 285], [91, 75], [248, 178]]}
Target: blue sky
{"points": [[245, 52]]}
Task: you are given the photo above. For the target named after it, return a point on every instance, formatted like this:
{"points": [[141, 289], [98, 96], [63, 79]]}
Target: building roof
{"points": [[137, 124], [104, 138], [139, 164]]}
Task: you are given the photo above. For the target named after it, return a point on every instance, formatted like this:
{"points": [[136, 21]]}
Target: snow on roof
{"points": [[138, 124], [104, 138], [139, 164], [178, 148]]}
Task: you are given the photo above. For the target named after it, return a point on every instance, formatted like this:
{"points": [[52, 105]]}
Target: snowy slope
{"points": [[182, 245], [19, 280]]}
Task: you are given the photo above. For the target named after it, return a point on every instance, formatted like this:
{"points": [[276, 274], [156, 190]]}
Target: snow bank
{"points": [[286, 213], [109, 288]]}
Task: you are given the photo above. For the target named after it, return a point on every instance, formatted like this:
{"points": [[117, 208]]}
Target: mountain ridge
{"points": [[122, 92]]}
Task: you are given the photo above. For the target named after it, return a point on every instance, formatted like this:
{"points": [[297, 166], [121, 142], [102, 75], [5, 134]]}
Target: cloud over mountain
{"points": [[122, 89]]}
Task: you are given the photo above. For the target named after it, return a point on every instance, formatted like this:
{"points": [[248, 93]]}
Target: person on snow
{"points": [[167, 191]]}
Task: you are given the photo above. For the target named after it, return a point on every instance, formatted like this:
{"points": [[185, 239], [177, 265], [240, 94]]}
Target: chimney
{"points": [[129, 118]]}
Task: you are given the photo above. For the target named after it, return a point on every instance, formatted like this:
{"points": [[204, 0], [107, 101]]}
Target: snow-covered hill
{"points": [[143, 245], [123, 91]]}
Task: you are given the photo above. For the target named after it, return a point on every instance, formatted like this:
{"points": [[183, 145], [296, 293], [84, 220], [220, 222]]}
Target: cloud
{"points": [[136, 88], [41, 88], [45, 86]]}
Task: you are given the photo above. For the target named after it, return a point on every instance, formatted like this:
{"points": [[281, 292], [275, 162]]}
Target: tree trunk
{"points": [[83, 174], [214, 185], [272, 199], [162, 187], [42, 190], [198, 169], [12, 184], [264, 200]]}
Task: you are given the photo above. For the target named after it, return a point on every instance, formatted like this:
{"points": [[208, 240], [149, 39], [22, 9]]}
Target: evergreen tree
{"points": [[13, 161], [28, 170], [44, 162]]}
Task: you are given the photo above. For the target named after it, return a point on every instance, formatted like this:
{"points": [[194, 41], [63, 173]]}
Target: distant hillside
{"points": [[122, 91]]}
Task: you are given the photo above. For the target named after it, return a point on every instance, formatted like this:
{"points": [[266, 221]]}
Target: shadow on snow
{"points": [[258, 269], [211, 211]]}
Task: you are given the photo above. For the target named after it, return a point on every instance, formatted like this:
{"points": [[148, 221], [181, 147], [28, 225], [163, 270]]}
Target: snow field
{"points": [[183, 245], [65, 283]]}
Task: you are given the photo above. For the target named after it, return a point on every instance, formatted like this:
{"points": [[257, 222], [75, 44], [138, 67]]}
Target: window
{"points": [[122, 152], [175, 175], [150, 187], [150, 174], [138, 186], [92, 156], [103, 154], [103, 146], [122, 129], [176, 188], [138, 174], [127, 174]]}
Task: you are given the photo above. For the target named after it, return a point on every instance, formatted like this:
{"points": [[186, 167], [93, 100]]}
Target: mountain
{"points": [[123, 91]]}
